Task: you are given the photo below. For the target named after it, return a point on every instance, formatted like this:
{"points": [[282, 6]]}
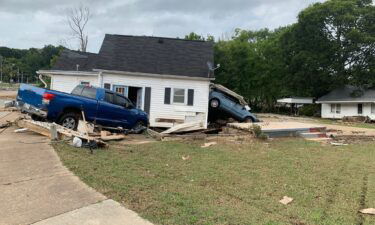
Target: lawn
{"points": [[234, 182]]}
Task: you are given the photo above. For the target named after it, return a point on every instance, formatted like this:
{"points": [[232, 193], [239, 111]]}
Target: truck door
{"points": [[113, 112]]}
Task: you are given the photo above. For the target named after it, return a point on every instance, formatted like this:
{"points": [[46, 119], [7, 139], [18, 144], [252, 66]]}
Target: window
{"points": [[108, 97], [333, 108], [360, 109], [372, 108], [107, 86], [86, 83], [336, 108], [77, 90], [121, 89], [122, 101], [89, 92], [178, 95]]}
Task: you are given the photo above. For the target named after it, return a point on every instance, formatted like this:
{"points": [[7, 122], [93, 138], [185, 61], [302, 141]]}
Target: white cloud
{"points": [[35, 23]]}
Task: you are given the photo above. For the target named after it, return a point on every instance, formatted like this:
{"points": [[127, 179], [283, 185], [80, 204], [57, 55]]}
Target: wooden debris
{"points": [[286, 200], [185, 158], [185, 127], [158, 136], [338, 144], [113, 137], [370, 211], [21, 130], [206, 145]]}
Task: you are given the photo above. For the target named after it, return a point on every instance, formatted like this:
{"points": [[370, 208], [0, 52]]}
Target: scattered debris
{"points": [[21, 130], [185, 158], [77, 142], [206, 145], [185, 127], [286, 200], [338, 144], [370, 211]]}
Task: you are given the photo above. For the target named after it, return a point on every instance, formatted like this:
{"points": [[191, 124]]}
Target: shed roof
{"points": [[349, 93], [154, 55]]}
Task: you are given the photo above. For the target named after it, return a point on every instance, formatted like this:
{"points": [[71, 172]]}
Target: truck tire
{"points": [[69, 120], [215, 103], [139, 127], [249, 120]]}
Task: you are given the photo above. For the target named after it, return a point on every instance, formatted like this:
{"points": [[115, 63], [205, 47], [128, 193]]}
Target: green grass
{"points": [[234, 183]]}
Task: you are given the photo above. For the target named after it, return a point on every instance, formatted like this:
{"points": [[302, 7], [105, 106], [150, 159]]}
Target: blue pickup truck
{"points": [[100, 106]]}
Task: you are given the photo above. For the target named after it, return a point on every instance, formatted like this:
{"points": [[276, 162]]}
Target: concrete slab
{"points": [[34, 185], [36, 188], [107, 212]]}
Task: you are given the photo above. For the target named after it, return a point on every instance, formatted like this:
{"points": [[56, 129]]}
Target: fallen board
{"points": [[281, 129]]}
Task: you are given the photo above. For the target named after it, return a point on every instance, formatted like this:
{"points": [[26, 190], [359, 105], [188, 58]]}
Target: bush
{"points": [[257, 131], [309, 110]]}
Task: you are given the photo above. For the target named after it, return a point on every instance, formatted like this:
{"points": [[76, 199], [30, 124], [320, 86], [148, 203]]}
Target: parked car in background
{"points": [[100, 106], [225, 100]]}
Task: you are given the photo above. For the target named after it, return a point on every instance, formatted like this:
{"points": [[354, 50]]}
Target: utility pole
{"points": [[21, 77]]}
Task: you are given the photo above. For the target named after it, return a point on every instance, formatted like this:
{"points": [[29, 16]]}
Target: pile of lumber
{"points": [[85, 131]]}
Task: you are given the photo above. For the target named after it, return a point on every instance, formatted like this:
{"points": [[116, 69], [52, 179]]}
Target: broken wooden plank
{"points": [[184, 127], [35, 128], [113, 137], [158, 136]]}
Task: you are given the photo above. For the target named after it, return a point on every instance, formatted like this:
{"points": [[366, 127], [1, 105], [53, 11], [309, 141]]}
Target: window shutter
{"points": [[191, 97], [107, 86], [167, 96]]}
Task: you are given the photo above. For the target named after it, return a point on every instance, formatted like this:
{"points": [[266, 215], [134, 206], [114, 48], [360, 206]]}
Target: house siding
{"points": [[158, 109], [347, 109], [66, 83]]}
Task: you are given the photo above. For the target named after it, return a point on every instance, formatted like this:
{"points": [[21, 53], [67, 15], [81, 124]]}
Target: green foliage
{"points": [[309, 110], [332, 44], [27, 62]]}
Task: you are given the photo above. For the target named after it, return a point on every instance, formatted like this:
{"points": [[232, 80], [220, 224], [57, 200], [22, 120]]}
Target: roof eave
{"points": [[65, 72], [154, 75]]}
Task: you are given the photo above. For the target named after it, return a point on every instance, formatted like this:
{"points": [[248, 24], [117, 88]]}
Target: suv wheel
{"points": [[214, 103], [249, 120], [69, 120]]}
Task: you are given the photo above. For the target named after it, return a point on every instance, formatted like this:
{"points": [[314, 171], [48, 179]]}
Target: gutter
{"points": [[70, 73]]}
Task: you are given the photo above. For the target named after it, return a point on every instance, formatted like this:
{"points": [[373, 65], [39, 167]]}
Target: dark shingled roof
{"points": [[349, 93], [155, 55], [68, 60]]}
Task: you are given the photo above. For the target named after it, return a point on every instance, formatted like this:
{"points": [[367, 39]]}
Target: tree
{"points": [[331, 45], [77, 20]]}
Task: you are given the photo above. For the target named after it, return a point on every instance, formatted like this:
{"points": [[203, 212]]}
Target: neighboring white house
{"points": [[167, 78], [348, 101]]}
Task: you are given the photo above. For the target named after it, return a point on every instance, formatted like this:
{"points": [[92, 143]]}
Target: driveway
{"points": [[35, 188]]}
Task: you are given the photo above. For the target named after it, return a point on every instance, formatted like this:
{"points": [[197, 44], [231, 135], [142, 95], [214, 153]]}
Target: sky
{"points": [[35, 23]]}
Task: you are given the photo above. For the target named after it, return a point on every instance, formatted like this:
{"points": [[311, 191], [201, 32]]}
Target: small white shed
{"points": [[167, 78]]}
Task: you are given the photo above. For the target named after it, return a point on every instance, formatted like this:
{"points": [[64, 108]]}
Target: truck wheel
{"points": [[249, 120], [139, 127], [69, 120], [214, 103]]}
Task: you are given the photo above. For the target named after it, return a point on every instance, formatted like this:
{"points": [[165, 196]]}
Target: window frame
{"points": [[173, 96]]}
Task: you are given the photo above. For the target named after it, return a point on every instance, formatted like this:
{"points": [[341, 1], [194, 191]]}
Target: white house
{"points": [[167, 78], [348, 101]]}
